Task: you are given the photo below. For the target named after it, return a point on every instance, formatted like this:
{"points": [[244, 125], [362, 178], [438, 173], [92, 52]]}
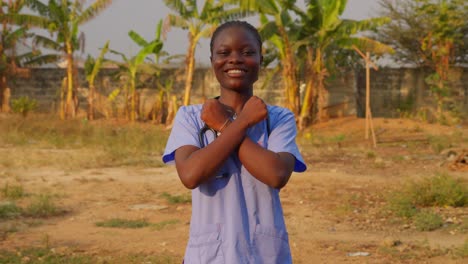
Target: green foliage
{"points": [[415, 20], [427, 221], [12, 191], [123, 223], [177, 199], [23, 105], [9, 210]]}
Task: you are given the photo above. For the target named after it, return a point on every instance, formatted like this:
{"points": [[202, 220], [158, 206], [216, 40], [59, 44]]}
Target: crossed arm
{"points": [[195, 165]]}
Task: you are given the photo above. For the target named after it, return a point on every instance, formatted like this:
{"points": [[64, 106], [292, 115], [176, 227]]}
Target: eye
{"points": [[249, 52], [222, 52]]}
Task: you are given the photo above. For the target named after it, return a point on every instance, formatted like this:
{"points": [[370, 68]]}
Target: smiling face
{"points": [[236, 57]]}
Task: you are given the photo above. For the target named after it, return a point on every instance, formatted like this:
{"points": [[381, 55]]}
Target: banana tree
{"points": [[130, 68], [92, 68], [325, 35], [200, 24], [62, 18], [11, 33], [278, 31]]}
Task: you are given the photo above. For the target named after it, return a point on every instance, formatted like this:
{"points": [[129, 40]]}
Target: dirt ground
{"points": [[333, 212]]}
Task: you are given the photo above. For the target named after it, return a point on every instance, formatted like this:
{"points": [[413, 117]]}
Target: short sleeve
{"points": [[283, 136], [184, 132]]}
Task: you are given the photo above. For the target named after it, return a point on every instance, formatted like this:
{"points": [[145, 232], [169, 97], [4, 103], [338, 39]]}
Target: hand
{"points": [[214, 114], [254, 111]]}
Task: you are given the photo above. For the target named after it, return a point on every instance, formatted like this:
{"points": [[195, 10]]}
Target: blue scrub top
{"points": [[235, 217]]}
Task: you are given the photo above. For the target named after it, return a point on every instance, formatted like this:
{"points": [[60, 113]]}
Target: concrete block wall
{"points": [[391, 89]]}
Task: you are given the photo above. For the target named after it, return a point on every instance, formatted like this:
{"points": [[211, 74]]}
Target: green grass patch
{"points": [[41, 255], [410, 201], [42, 205], [123, 223], [440, 190], [161, 225], [401, 205], [9, 210], [12, 192], [46, 255], [427, 221], [177, 199]]}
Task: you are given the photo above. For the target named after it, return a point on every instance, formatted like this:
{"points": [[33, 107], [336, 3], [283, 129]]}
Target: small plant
{"points": [[9, 210], [123, 223], [427, 221], [371, 155], [23, 105], [402, 205], [42, 206], [177, 199], [12, 192], [440, 190]]}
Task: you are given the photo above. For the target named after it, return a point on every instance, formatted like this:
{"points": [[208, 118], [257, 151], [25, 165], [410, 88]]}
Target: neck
{"points": [[234, 100]]}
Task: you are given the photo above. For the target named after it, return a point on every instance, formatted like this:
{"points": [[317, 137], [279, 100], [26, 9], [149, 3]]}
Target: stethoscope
{"points": [[203, 131]]}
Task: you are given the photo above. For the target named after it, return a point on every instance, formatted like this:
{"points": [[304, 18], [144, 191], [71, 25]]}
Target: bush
{"points": [[427, 221], [9, 210], [440, 190], [23, 105]]}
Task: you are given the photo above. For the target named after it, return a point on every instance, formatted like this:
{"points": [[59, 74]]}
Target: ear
{"points": [[261, 59]]}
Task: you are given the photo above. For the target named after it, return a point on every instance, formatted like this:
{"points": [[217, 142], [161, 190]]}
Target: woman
{"points": [[235, 173]]}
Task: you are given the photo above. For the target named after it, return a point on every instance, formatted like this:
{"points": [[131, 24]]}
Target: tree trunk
{"points": [[289, 75], [91, 96], [4, 102], [307, 104], [70, 105], [133, 91], [190, 64]]}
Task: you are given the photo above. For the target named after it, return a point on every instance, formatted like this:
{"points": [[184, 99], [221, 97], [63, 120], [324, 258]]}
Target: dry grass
{"points": [[43, 140]]}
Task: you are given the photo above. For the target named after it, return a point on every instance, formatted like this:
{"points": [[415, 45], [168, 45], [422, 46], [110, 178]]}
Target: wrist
{"points": [[225, 124]]}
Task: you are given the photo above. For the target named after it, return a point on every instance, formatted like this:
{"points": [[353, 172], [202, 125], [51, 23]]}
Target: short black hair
{"points": [[236, 23]]}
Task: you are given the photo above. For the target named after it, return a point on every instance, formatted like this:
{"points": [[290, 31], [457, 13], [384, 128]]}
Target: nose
{"points": [[235, 57]]}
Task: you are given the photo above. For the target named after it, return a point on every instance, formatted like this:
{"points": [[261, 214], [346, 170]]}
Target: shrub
{"points": [[9, 210], [440, 190], [23, 105], [427, 221]]}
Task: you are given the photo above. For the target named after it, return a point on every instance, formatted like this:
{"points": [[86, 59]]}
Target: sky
{"points": [[142, 16]]}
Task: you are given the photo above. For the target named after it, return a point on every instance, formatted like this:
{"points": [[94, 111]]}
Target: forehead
{"points": [[235, 35]]}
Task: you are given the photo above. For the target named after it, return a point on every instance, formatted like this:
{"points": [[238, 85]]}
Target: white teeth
{"points": [[235, 71]]}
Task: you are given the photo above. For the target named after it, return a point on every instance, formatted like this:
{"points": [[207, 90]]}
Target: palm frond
{"points": [[178, 6], [43, 59], [177, 21], [98, 63], [47, 43], [93, 10]]}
